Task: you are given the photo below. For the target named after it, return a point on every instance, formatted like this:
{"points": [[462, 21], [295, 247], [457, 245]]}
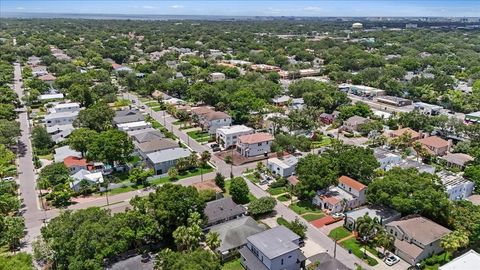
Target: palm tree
{"points": [[385, 240], [204, 158], [344, 202], [367, 227], [193, 160], [172, 173], [454, 241], [182, 164], [213, 240]]}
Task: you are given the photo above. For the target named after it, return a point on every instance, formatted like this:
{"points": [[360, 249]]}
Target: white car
{"points": [[8, 178], [391, 259], [338, 215]]}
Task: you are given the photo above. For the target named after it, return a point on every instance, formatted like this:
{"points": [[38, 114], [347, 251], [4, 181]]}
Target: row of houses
{"points": [[158, 152]]}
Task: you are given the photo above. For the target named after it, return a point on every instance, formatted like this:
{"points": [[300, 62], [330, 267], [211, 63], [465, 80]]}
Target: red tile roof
{"points": [[351, 183], [255, 138], [71, 161]]}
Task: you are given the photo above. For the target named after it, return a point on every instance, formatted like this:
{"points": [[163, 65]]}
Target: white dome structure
{"points": [[357, 25]]}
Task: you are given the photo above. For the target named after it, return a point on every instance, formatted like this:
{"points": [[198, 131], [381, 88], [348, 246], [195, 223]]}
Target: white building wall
{"points": [[60, 121], [256, 149], [213, 125], [460, 191]]}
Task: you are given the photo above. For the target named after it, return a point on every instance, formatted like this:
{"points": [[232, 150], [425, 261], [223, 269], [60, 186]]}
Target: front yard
{"points": [[355, 247], [303, 207], [339, 233], [199, 136]]}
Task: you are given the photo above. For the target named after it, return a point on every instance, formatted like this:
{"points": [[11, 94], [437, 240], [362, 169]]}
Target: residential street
{"points": [[26, 175]]}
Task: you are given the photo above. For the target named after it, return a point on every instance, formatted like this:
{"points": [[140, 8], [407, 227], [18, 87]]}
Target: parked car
{"points": [[8, 178], [391, 260], [338, 215], [214, 145], [216, 149]]}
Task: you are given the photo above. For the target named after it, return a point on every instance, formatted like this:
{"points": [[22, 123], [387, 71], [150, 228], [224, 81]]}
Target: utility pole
{"points": [[335, 246]]}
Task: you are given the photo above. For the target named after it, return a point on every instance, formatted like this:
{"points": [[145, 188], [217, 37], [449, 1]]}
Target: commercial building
{"points": [[394, 101], [427, 109]]}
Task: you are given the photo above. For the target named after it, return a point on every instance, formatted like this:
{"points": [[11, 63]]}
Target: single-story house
{"points": [[60, 118], [60, 132], [216, 77], [283, 167], [65, 151], [92, 178], [254, 144], [48, 78], [65, 107], [417, 238], [75, 164], [234, 233], [353, 123], [127, 116], [328, 118], [457, 160], [386, 158], [163, 160], [155, 145], [383, 214], [222, 210], [131, 126], [146, 135]]}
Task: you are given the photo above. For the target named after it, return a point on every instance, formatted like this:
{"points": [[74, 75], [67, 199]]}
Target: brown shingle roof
{"points": [[434, 141], [216, 115], [457, 158], [351, 183], [47, 77], [400, 132], [202, 110], [421, 229], [255, 138]]}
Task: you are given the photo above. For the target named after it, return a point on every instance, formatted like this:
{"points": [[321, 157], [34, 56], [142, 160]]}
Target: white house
{"points": [[228, 136], [60, 132], [386, 158], [283, 167], [254, 144], [65, 107], [348, 194], [60, 118], [134, 126], [92, 178], [216, 77], [274, 249], [467, 261], [51, 96], [416, 238], [212, 121], [457, 187], [163, 160]]}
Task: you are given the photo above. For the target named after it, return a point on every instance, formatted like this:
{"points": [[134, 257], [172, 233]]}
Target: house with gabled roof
{"points": [[435, 145], [348, 194], [222, 210], [416, 238], [254, 144]]}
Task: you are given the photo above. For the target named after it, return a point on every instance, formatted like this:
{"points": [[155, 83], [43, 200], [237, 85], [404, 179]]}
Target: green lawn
{"points": [[152, 103], [146, 99], [199, 135], [354, 246], [119, 190], [303, 207], [284, 197], [339, 233], [252, 178], [180, 122], [156, 109], [233, 265], [312, 217], [282, 221], [277, 190], [47, 156]]}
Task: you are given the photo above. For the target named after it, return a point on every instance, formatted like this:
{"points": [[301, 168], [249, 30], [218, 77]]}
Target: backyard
{"points": [[233, 265]]}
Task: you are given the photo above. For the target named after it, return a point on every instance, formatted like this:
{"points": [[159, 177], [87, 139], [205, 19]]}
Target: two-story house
{"points": [[228, 136], [416, 238], [456, 187], [214, 120], [353, 123], [284, 166], [274, 249], [254, 144], [348, 194], [435, 145]]}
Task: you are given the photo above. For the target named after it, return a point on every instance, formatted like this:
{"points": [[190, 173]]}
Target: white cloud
{"points": [[312, 9], [176, 6], [148, 7], [20, 8]]}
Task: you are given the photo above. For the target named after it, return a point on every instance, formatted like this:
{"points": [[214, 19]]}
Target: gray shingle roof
{"points": [[221, 209], [234, 233], [147, 136], [327, 262], [156, 145], [168, 154]]}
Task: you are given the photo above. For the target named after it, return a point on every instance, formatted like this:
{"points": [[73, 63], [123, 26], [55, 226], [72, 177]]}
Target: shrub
{"points": [[262, 206]]}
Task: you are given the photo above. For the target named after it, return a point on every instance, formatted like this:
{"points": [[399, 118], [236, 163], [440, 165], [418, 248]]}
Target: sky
{"points": [[447, 8]]}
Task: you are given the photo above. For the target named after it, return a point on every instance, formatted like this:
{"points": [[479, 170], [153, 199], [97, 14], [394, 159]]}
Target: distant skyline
{"points": [[321, 8]]}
